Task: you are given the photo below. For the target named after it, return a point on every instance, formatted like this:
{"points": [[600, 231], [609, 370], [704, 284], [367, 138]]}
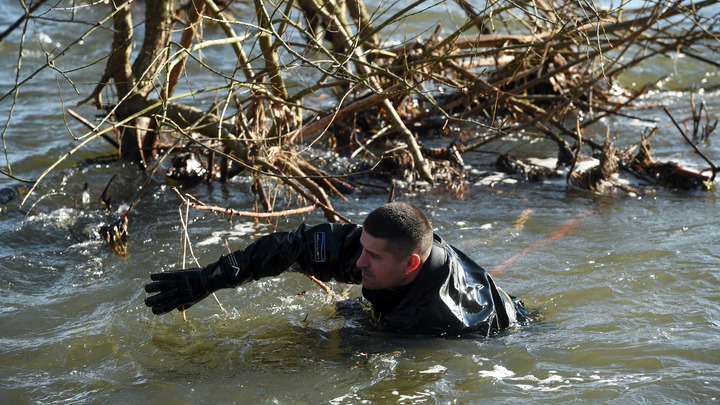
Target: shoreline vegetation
{"points": [[318, 82]]}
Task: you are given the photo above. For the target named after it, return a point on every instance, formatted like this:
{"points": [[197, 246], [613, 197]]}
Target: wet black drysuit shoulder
{"points": [[452, 294]]}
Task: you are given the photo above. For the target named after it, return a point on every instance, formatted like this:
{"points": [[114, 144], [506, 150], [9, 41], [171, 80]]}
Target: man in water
{"points": [[414, 281]]}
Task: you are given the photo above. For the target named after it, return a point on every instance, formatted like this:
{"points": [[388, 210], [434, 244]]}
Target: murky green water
{"points": [[625, 291]]}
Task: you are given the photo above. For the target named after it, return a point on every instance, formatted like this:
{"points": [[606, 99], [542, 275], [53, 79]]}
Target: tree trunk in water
{"points": [[153, 54], [137, 142]]}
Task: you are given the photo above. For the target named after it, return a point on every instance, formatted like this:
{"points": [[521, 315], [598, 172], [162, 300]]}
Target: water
{"points": [[625, 290]]}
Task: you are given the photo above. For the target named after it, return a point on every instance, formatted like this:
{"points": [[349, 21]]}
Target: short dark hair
{"points": [[403, 225]]}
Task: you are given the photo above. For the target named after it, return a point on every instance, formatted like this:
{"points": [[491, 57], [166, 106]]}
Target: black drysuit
{"points": [[451, 295]]}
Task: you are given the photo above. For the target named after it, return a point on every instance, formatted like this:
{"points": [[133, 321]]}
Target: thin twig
{"points": [[200, 206], [187, 246], [699, 152]]}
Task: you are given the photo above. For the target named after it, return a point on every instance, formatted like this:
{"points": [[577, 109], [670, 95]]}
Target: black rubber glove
{"points": [[184, 288]]}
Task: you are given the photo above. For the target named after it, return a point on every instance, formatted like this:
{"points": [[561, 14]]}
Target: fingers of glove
{"points": [[163, 285], [163, 276], [166, 307], [161, 299]]}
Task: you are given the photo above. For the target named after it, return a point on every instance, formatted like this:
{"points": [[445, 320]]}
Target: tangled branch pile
{"points": [[300, 74]]}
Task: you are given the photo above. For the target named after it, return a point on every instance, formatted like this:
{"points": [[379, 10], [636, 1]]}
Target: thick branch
{"points": [[152, 55], [194, 16]]}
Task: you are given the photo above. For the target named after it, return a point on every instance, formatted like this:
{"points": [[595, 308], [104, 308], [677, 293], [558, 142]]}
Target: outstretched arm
{"points": [[326, 251]]}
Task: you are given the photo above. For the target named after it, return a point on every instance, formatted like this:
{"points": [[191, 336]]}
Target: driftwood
{"points": [[546, 63], [512, 68], [670, 174]]}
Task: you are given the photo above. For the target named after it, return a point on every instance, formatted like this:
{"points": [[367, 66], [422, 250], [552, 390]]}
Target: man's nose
{"points": [[361, 260]]}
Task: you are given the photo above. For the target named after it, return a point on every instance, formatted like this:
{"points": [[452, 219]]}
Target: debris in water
{"points": [[115, 234]]}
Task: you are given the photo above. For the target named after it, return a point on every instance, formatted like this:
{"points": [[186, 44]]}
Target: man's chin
{"points": [[368, 285]]}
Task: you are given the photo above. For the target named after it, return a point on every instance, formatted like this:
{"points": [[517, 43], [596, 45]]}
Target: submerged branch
{"points": [[233, 212]]}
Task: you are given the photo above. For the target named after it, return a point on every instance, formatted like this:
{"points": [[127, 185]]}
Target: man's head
{"points": [[396, 239]]}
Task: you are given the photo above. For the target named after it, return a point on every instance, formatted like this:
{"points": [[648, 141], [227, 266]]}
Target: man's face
{"points": [[381, 268]]}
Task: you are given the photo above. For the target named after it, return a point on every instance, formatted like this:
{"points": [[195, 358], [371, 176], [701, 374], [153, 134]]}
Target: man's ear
{"points": [[412, 263]]}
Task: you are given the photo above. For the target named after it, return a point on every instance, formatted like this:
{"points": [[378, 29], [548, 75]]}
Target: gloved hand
{"points": [[176, 289], [183, 288]]}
